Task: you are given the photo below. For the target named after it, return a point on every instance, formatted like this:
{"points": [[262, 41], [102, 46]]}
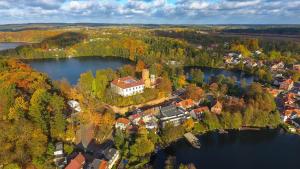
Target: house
{"points": [[186, 104], [273, 91], [287, 84], [172, 114], [197, 113], [76, 163], [74, 105], [216, 108], [290, 113], [277, 67], [98, 164], [111, 155], [122, 123], [59, 158], [135, 118], [127, 86], [296, 68]]}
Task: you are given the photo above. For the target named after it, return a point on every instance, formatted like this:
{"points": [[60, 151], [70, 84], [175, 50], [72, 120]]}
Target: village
{"points": [[176, 110]]}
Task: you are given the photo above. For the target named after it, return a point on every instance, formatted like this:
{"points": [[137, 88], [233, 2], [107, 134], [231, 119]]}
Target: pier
{"points": [[193, 140]]}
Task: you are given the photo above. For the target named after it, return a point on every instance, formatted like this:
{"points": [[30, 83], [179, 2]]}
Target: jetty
{"points": [[193, 140]]}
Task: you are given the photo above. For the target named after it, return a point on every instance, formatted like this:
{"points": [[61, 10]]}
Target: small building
{"points": [[198, 112], [74, 105], [186, 104], [216, 108], [172, 114], [277, 67], [127, 86], [77, 163], [296, 68], [287, 84], [59, 157], [98, 164], [122, 123], [111, 155]]}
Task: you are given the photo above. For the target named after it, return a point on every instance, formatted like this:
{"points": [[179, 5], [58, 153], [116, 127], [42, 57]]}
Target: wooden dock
{"points": [[193, 140]]}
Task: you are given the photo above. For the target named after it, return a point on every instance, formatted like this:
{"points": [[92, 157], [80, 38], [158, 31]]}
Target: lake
{"points": [[10, 45], [210, 72], [71, 68], [237, 150]]}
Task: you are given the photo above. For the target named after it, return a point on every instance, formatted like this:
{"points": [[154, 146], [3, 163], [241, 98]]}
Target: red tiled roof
{"points": [[123, 120], [127, 82], [186, 103], [77, 162], [201, 109], [103, 165]]}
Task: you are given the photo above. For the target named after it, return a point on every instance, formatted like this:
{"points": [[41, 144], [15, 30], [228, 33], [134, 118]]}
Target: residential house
{"points": [[172, 114], [287, 84], [77, 163], [277, 67], [216, 108], [127, 86], [198, 112], [122, 123], [273, 91], [59, 157], [296, 68], [98, 164], [74, 105], [290, 114], [111, 155], [186, 104]]}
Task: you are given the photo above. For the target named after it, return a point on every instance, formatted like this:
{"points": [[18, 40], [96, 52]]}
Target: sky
{"points": [[151, 11]]}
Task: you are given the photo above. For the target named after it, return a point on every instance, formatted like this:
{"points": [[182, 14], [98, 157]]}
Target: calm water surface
{"points": [[237, 150], [71, 68], [12, 45]]}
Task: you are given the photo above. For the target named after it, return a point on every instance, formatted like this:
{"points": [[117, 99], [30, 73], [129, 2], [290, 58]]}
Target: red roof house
{"points": [[188, 103], [76, 163]]}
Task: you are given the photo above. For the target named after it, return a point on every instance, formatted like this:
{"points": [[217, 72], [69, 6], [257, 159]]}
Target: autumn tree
{"points": [[194, 92], [58, 123], [38, 109], [242, 49], [140, 66]]}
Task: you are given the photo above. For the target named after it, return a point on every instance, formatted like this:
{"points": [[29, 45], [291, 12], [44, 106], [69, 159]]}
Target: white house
{"points": [[122, 123], [127, 86], [74, 105]]}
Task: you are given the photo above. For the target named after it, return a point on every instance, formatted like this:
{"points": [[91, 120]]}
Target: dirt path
{"points": [[123, 110]]}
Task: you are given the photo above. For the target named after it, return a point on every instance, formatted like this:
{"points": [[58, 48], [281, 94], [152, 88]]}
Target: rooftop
{"points": [[77, 162], [171, 110], [127, 82], [123, 120]]}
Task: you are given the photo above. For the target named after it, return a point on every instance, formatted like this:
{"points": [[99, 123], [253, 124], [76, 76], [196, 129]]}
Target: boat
{"points": [[193, 140]]}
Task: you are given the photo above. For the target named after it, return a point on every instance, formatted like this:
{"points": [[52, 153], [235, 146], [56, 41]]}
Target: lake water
{"points": [[210, 72], [71, 68], [237, 150], [12, 45]]}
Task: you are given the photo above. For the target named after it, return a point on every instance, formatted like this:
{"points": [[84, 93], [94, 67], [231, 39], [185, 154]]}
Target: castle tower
{"points": [[145, 76]]}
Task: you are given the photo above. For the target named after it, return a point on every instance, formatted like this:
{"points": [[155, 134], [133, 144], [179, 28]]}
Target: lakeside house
{"points": [[287, 84], [198, 112], [172, 114], [122, 123], [127, 86], [77, 163]]}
